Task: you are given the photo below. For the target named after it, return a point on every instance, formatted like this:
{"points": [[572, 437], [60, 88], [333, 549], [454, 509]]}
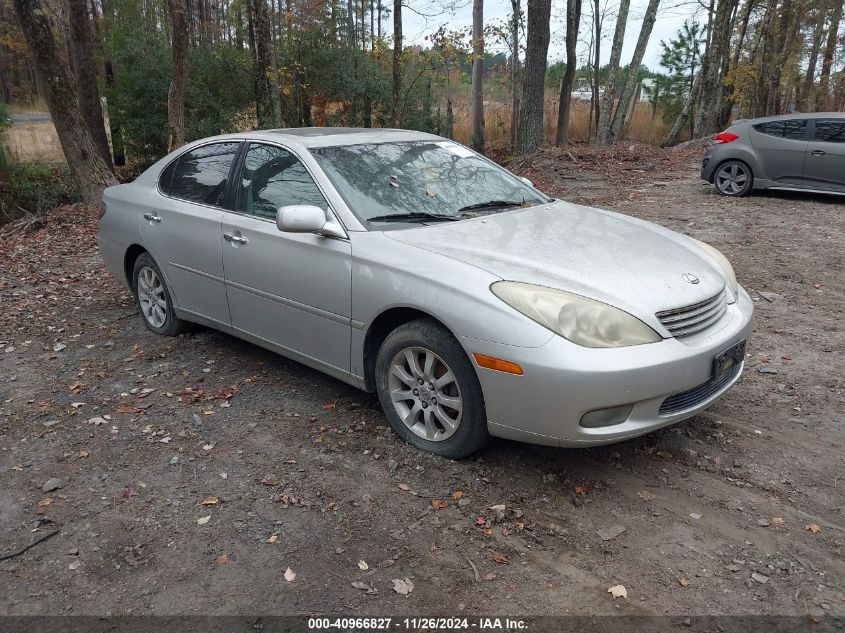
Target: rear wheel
{"points": [[154, 299], [429, 391], [733, 178]]}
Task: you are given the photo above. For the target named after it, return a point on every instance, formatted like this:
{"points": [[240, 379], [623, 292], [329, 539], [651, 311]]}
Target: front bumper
{"points": [[563, 381]]}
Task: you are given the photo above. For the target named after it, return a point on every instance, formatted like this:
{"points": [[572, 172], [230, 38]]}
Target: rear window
{"points": [[793, 129], [200, 175], [830, 130]]}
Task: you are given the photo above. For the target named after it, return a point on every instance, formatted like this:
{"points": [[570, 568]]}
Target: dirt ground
{"points": [[195, 471]]}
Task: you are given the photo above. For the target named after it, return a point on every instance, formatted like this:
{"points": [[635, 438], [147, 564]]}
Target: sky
{"points": [[670, 16]]}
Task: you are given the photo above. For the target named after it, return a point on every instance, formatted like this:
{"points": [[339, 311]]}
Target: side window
{"points": [[271, 178], [793, 129], [830, 130], [200, 175]]}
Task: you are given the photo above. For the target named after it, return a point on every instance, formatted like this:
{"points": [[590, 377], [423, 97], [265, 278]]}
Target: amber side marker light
{"points": [[497, 364]]}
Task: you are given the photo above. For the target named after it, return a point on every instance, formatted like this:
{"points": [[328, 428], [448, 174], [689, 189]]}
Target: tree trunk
{"points": [[603, 129], [684, 115], [516, 9], [267, 97], [86, 76], [630, 88], [573, 22], [533, 86], [813, 57], [822, 96], [86, 165], [594, 99], [712, 66], [178, 74], [477, 140], [396, 119]]}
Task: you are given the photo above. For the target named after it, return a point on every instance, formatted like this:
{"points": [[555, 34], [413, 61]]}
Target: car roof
{"points": [[313, 137], [791, 116]]}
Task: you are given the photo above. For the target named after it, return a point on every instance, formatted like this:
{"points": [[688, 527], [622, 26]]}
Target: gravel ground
{"points": [[188, 475]]}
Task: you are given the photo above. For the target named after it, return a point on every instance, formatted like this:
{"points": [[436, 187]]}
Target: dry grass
{"points": [[34, 141], [642, 126]]}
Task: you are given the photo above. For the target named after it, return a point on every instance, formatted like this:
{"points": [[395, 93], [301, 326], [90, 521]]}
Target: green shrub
{"points": [[36, 188]]}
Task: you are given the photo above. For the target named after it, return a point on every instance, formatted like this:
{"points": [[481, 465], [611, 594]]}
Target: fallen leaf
{"points": [[364, 587], [487, 531], [618, 591], [203, 520], [498, 557], [695, 515], [222, 559], [362, 565], [74, 565], [457, 494], [580, 490], [210, 501], [499, 507], [128, 493], [439, 504], [270, 480], [83, 454], [207, 447], [490, 576], [813, 527], [480, 521], [290, 575], [645, 495], [778, 521], [684, 582], [403, 586], [664, 455], [786, 357], [45, 502], [273, 538], [404, 487]]}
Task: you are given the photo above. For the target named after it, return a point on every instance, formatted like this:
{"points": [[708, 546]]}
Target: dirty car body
{"points": [[505, 313]]}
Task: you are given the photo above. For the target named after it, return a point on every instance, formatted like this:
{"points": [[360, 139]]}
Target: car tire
{"points": [[429, 390], [154, 299], [733, 178]]}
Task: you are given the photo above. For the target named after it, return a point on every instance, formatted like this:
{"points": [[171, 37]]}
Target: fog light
{"points": [[606, 417]]}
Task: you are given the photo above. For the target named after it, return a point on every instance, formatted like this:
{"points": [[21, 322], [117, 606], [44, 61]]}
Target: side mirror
{"points": [[526, 181], [306, 218]]}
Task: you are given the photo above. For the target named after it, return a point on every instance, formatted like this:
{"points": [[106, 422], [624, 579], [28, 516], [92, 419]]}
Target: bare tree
{"points": [[630, 88], [813, 55], [573, 22], [84, 160], [515, 19], [716, 56], [396, 119], [85, 71], [477, 140], [178, 74], [267, 98], [533, 85], [823, 96], [603, 129]]}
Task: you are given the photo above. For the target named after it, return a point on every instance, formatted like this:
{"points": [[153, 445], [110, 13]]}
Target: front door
{"points": [[182, 229], [781, 147], [825, 164], [290, 289]]}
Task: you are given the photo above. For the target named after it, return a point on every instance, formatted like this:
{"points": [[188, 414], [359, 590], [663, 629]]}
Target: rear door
{"points": [[781, 148], [183, 230], [825, 165]]}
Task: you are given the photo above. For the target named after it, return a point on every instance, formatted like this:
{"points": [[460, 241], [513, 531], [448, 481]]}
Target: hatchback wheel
{"points": [[429, 390], [733, 178], [154, 298]]}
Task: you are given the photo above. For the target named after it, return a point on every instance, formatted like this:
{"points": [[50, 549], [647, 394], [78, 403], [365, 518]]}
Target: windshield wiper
{"points": [[409, 217], [492, 204]]}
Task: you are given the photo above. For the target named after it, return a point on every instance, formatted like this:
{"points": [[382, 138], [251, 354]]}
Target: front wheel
{"points": [[733, 178], [154, 299], [429, 391]]}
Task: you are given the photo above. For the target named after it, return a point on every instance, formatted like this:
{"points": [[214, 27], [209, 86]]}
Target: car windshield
{"points": [[421, 181]]}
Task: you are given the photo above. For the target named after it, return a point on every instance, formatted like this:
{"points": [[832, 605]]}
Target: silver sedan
{"points": [[406, 264]]}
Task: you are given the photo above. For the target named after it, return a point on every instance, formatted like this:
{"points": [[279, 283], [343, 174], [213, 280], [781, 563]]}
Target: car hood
{"points": [[629, 263]]}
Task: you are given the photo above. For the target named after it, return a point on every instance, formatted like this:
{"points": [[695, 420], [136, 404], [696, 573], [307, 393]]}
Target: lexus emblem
{"points": [[690, 278]]}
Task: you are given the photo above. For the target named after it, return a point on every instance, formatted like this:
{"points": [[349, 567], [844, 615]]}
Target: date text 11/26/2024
{"points": [[414, 624]]}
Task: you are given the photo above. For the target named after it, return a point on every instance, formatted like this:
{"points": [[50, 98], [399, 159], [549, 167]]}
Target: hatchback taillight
{"points": [[725, 137]]}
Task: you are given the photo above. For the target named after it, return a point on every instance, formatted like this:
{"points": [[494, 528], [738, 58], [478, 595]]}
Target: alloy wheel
{"points": [[425, 394], [151, 297], [732, 179]]}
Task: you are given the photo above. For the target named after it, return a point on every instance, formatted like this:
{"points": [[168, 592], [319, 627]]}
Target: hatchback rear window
{"points": [[830, 130], [793, 129]]}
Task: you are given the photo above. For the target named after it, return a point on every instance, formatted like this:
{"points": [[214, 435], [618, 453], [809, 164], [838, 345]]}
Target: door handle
{"points": [[236, 239], [152, 217], [818, 152]]}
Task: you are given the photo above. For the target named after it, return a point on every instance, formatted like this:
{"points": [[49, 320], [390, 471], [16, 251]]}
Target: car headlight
{"points": [[578, 319], [724, 264]]}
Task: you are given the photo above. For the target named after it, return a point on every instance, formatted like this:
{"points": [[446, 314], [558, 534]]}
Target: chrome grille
{"points": [[691, 398], [691, 319]]}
